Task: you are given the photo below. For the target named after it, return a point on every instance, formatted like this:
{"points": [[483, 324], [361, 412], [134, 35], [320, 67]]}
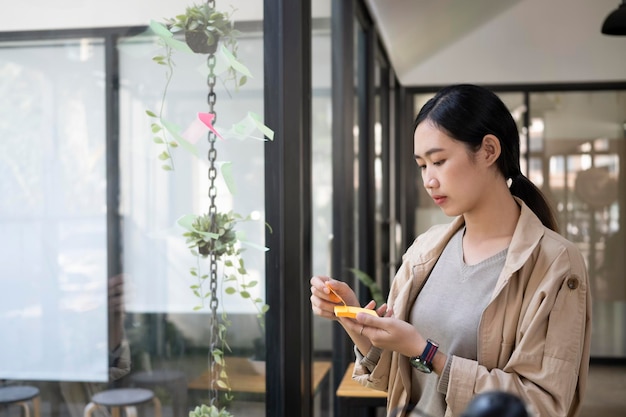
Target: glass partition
{"points": [[169, 287], [579, 151], [57, 333], [53, 289], [322, 220]]}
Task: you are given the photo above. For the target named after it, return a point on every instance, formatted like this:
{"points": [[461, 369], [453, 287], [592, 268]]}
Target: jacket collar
{"points": [[528, 232]]}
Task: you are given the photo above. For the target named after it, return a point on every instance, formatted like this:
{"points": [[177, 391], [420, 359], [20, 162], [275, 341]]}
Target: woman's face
{"points": [[450, 174]]}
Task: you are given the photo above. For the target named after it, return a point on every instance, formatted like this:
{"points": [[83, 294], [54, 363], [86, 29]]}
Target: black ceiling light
{"points": [[615, 23]]}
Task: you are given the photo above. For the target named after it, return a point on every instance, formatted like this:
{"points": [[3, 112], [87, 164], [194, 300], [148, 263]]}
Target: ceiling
{"points": [[423, 37], [414, 30]]}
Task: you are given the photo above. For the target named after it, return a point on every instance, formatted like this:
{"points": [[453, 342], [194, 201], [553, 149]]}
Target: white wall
{"points": [[65, 14]]}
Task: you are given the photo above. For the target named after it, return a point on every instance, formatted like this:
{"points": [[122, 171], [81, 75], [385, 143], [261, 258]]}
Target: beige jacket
{"points": [[534, 335]]}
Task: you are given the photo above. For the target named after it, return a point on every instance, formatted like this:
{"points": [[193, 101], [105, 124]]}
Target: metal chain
{"points": [[214, 338]]}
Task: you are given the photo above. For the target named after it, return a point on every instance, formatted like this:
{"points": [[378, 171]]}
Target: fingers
{"points": [[323, 301], [320, 290], [370, 321]]}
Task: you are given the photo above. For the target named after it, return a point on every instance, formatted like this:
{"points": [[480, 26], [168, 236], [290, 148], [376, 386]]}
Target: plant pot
{"points": [[204, 250], [198, 41], [257, 366]]}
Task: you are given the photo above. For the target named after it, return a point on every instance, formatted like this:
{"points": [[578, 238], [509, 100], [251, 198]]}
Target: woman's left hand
{"points": [[391, 333]]}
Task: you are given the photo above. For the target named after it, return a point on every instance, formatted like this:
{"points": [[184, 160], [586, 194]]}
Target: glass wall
{"points": [[577, 140], [169, 288], [53, 289], [322, 195], [73, 136]]}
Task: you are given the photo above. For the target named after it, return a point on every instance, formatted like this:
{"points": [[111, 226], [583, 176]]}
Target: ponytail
{"points": [[524, 189]]}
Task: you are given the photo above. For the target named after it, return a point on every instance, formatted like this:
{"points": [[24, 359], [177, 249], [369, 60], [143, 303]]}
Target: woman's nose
{"points": [[430, 182]]}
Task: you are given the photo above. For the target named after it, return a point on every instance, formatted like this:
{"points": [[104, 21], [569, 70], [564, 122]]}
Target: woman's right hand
{"points": [[323, 301]]}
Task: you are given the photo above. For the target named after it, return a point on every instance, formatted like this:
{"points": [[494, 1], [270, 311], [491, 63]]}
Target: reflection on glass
{"points": [[322, 198], [582, 165], [167, 332], [53, 292]]}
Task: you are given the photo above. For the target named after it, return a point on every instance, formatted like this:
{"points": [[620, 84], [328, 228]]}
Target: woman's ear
{"points": [[490, 149]]}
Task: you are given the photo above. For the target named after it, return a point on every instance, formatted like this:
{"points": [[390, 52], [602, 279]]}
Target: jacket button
{"points": [[572, 283]]}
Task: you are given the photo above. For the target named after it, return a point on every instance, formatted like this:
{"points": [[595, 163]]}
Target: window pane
{"points": [[53, 291], [165, 329], [583, 166]]}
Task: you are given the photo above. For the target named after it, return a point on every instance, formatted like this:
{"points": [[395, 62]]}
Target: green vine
{"points": [[216, 233], [208, 31], [216, 28]]}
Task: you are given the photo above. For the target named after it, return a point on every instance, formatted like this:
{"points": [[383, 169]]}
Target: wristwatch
{"points": [[424, 362]]}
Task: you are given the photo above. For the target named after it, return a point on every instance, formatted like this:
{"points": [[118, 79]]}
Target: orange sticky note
{"points": [[349, 311]]}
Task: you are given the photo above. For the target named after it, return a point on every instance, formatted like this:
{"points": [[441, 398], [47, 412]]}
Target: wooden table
{"points": [[243, 377], [351, 396]]}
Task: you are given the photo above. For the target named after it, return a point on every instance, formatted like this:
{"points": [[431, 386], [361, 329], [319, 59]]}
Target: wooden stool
{"points": [[174, 382], [21, 395], [127, 398]]}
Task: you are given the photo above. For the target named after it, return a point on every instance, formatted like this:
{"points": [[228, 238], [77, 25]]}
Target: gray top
{"points": [[448, 311]]}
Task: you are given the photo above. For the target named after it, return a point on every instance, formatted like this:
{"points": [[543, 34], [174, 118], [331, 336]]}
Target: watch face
{"points": [[418, 364]]}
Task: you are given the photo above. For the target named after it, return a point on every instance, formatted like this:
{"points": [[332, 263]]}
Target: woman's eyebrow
{"points": [[429, 152]]}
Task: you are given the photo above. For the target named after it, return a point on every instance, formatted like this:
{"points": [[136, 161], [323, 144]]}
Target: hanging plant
{"points": [[205, 31], [212, 236], [203, 27], [209, 411], [215, 234]]}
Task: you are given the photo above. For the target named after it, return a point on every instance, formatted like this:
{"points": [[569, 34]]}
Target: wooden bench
{"points": [[243, 377], [352, 396]]}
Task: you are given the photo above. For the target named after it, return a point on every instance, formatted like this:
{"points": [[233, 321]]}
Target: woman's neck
{"points": [[489, 229]]}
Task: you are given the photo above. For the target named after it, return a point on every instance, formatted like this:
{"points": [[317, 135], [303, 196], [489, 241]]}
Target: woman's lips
{"points": [[439, 199]]}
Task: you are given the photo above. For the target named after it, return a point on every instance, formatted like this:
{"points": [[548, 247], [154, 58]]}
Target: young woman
{"points": [[495, 300]]}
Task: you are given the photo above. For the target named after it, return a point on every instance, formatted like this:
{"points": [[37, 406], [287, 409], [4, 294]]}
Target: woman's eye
{"points": [[437, 163]]}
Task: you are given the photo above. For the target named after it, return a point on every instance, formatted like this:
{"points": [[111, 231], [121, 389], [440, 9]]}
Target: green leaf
{"points": [[167, 168], [232, 61], [252, 245], [157, 139], [167, 37], [186, 222], [160, 30], [175, 132], [164, 156], [252, 284], [151, 113], [178, 45], [230, 290], [377, 294], [229, 179], [261, 126], [244, 294]]}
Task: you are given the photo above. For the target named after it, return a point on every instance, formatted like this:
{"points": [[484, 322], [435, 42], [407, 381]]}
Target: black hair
{"points": [[468, 113]]}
